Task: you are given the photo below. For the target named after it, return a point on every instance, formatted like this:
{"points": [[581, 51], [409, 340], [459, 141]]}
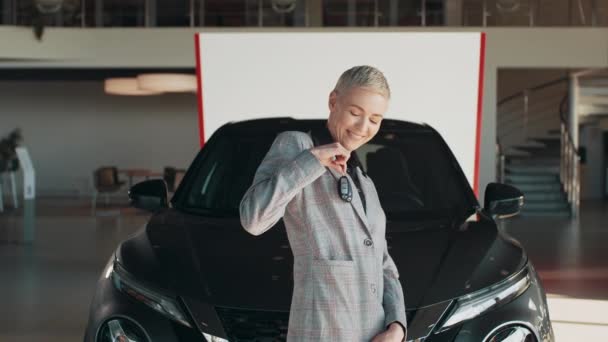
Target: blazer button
{"points": [[368, 242]]}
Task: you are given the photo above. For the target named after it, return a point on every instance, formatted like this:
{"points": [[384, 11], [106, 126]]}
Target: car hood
{"points": [[214, 260]]}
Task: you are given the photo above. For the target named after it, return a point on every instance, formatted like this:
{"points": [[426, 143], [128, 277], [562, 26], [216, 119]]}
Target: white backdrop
{"points": [[434, 78]]}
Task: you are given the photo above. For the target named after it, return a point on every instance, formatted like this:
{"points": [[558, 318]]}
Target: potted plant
{"points": [[8, 156]]}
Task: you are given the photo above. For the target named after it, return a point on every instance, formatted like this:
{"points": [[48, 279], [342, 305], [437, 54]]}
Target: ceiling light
{"points": [[125, 86], [167, 82]]}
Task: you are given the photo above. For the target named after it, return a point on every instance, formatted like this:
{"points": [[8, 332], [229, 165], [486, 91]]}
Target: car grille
{"points": [[253, 325], [268, 326]]}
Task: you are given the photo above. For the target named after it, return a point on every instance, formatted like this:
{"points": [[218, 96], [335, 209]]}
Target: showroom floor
{"points": [[572, 260], [47, 286]]}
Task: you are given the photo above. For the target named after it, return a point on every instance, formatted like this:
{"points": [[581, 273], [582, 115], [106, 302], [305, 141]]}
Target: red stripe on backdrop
{"points": [[482, 57], [199, 91]]}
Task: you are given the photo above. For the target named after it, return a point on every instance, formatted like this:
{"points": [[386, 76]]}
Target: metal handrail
{"points": [[541, 112], [521, 121], [533, 89], [569, 171], [562, 115], [517, 123], [500, 163]]}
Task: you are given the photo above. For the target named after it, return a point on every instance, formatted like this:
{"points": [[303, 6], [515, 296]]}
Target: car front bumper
{"points": [[528, 312]]}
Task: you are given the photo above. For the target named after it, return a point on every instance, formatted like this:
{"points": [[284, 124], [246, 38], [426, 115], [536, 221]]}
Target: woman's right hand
{"points": [[332, 155]]}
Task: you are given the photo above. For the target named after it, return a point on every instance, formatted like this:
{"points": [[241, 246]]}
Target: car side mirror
{"points": [[150, 195], [502, 200]]}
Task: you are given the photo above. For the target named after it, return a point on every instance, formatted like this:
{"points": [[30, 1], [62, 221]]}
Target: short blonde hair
{"points": [[363, 76]]}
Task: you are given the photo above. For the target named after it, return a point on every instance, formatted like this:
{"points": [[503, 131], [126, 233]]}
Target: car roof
{"points": [[289, 123]]}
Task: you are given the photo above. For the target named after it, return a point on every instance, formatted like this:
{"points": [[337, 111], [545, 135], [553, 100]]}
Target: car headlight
{"points": [[211, 338], [475, 304], [167, 306]]}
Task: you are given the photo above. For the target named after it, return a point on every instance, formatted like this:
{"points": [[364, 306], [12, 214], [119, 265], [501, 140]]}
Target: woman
{"points": [[346, 285]]}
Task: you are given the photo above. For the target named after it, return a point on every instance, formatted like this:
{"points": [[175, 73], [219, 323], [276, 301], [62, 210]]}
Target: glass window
{"points": [[28, 13], [335, 13], [227, 172], [302, 13], [123, 13], [413, 172], [523, 13], [399, 13], [349, 13], [383, 12], [553, 13], [6, 12], [283, 13], [510, 12], [230, 13], [173, 13], [472, 13], [587, 12], [434, 13], [600, 13]]}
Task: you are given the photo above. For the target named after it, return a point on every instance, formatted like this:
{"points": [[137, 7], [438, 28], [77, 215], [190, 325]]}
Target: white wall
{"points": [[543, 47], [296, 79], [70, 128]]}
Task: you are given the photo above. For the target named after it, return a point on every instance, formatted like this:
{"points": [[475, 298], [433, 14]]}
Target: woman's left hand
{"points": [[394, 333]]}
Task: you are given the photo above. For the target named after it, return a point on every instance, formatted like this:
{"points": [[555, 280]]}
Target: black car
{"points": [[194, 274]]}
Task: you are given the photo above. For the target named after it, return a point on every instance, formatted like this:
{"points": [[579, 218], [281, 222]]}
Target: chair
{"points": [[10, 167], [169, 177], [173, 177], [13, 167], [179, 175], [105, 181]]}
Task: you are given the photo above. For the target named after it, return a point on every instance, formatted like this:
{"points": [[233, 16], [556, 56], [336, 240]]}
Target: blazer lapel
{"points": [[322, 136], [356, 203]]}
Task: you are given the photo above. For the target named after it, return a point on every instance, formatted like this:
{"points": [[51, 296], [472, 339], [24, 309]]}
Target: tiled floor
{"points": [[572, 259], [47, 286], [570, 255]]}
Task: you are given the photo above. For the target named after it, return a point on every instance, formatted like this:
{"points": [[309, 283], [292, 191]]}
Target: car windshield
{"points": [[415, 175]]}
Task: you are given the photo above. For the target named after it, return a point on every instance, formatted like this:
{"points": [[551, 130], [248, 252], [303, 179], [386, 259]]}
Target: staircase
{"points": [[534, 168]]}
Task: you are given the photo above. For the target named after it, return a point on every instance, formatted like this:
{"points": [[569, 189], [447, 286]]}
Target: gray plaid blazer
{"points": [[346, 285]]}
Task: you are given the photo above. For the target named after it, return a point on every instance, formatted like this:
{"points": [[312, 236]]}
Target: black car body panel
{"points": [[208, 262], [212, 260]]}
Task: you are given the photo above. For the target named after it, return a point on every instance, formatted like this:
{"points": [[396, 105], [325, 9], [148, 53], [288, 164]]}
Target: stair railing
{"points": [[529, 113], [569, 171], [500, 163]]}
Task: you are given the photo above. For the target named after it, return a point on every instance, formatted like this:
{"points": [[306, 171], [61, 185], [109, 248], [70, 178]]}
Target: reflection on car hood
{"points": [[216, 261]]}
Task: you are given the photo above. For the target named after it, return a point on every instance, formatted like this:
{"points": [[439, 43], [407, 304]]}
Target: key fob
{"points": [[344, 189]]}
